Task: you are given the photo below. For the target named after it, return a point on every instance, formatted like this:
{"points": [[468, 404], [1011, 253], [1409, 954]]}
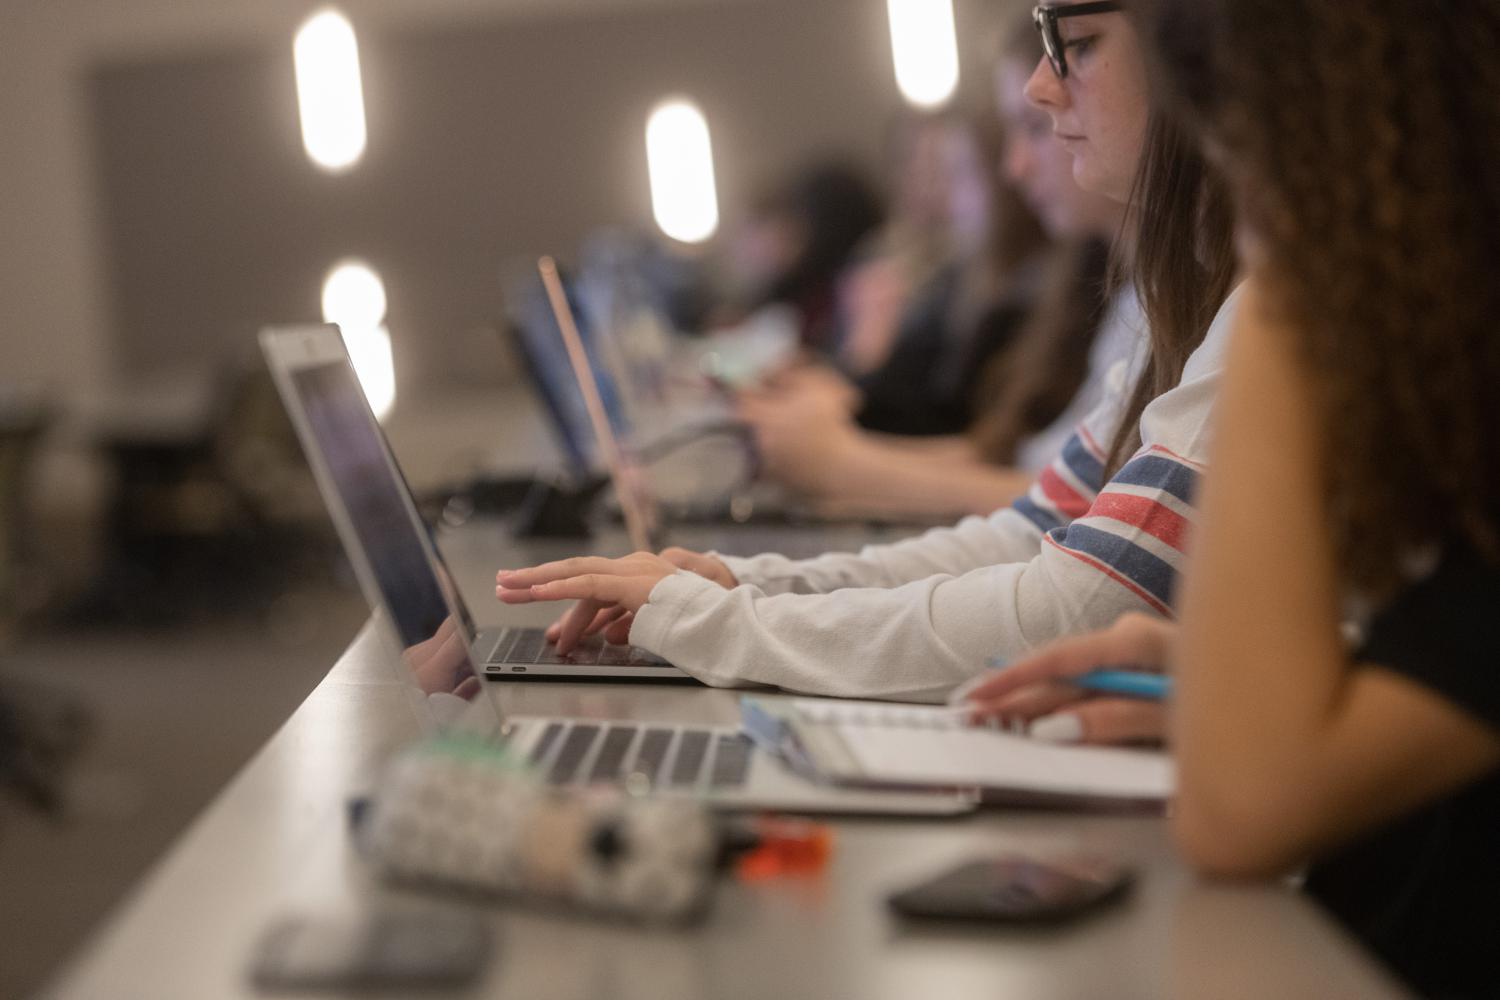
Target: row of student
{"points": [[1355, 470], [908, 319], [1046, 351], [890, 302], [1083, 546]]}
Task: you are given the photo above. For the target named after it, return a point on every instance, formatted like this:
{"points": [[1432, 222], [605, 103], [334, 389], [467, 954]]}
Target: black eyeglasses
{"points": [[1046, 17]]}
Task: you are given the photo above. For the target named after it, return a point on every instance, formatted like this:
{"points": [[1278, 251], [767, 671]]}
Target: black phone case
{"points": [[1011, 890], [378, 951]]}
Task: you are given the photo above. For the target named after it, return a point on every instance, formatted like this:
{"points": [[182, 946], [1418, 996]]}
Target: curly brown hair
{"points": [[1364, 139]]}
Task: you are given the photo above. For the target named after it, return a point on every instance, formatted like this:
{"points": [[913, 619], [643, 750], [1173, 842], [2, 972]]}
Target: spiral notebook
{"points": [[922, 746]]}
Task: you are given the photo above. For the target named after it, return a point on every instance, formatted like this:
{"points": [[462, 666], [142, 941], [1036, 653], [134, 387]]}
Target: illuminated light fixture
{"points": [[354, 298], [681, 163], [330, 97], [925, 50]]}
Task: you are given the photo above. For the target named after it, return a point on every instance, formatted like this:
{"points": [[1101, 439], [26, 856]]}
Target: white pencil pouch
{"points": [[467, 815]]}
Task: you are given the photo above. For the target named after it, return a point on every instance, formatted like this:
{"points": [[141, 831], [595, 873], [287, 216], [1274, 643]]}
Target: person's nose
{"points": [[1044, 89]]}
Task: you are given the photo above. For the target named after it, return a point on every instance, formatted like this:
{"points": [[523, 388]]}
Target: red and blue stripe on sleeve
{"points": [[1135, 531], [1066, 489]]}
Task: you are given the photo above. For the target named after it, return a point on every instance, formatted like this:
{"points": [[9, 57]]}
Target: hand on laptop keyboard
{"points": [[595, 583], [614, 621]]}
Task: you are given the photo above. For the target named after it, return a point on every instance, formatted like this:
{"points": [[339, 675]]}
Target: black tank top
{"points": [[1423, 892]]}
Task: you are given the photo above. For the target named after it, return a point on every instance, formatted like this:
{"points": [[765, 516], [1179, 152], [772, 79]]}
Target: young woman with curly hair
{"points": [[1356, 476], [1101, 532]]}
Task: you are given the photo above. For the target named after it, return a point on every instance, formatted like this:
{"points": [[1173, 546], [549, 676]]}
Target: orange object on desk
{"points": [[787, 847]]}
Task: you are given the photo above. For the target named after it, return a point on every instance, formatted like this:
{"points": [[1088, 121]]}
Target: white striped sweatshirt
{"points": [[915, 618]]}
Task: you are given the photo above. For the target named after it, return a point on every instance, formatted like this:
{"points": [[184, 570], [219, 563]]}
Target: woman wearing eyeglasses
{"points": [[1029, 397], [1101, 532], [1091, 101], [1357, 475]]}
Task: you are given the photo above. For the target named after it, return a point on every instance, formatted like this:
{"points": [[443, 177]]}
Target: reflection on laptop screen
{"points": [[371, 490]]}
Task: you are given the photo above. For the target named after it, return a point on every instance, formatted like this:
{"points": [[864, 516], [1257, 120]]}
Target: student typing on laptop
{"points": [[445, 655], [1099, 534], [1035, 388]]}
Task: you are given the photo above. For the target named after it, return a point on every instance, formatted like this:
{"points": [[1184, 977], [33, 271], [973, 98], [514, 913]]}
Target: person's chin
{"points": [[1082, 175], [1089, 179]]}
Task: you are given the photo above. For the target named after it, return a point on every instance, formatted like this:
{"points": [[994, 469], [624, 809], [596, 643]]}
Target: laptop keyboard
{"points": [[580, 753], [530, 646]]}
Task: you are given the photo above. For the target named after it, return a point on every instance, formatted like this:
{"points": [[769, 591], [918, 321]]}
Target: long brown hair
{"points": [[1366, 141], [1182, 260], [1177, 246], [1025, 388]]}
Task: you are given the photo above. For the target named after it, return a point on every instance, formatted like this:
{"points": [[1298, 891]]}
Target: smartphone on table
{"points": [[1013, 888], [375, 951]]}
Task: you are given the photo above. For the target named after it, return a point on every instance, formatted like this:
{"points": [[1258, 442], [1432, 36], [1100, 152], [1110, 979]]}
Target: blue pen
{"points": [[1120, 680], [1131, 683]]}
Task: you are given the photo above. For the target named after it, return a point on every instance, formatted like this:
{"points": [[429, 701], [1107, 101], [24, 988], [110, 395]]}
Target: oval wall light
{"points": [[925, 50], [330, 96], [680, 159]]}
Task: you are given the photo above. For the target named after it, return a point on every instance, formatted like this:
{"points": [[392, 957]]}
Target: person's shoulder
{"points": [[1209, 357], [1124, 336], [1179, 418]]}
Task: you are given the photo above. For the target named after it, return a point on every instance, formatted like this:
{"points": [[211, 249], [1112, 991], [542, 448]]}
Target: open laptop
{"points": [[632, 490], [404, 577], [645, 425], [388, 543], [635, 490], [544, 359], [570, 361]]}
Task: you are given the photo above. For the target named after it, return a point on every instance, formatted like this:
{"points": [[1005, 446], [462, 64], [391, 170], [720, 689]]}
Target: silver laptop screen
{"points": [[434, 628]]}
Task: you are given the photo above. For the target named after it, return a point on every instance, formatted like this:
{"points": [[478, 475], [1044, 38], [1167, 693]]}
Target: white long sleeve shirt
{"points": [[915, 618]]}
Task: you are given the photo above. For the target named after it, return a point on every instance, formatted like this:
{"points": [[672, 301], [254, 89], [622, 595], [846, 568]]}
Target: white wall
{"points": [[56, 327], [56, 333], [54, 316]]}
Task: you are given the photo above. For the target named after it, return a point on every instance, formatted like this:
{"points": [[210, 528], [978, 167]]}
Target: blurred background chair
{"points": [[24, 418], [212, 506]]}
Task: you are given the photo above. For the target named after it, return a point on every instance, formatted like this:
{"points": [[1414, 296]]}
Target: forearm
{"points": [[974, 542], [1259, 684], [915, 641], [882, 477], [1284, 746], [1261, 657], [949, 446], [865, 643], [1386, 746]]}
